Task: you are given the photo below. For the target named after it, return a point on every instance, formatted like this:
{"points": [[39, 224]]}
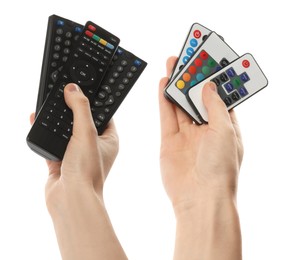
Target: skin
{"points": [[200, 167], [74, 189]]}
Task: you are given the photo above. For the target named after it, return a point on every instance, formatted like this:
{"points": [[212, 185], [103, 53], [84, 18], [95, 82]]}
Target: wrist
{"points": [[200, 201]]}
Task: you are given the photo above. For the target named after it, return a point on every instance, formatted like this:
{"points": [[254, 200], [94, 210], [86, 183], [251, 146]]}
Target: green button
{"points": [[96, 38], [206, 70], [211, 62], [236, 82]]}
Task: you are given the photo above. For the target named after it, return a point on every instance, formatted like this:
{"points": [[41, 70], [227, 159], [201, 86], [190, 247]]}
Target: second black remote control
{"points": [[60, 37], [86, 66]]}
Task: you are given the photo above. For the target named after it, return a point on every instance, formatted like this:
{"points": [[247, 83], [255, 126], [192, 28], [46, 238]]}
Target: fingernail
{"points": [[73, 87], [212, 86]]}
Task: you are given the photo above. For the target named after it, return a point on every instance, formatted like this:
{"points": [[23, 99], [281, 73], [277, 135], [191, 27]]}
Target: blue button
{"points": [[231, 72], [243, 91], [119, 51], [193, 42], [229, 87], [244, 77], [185, 59], [218, 68], [137, 63], [189, 51], [200, 76], [78, 29], [193, 82], [60, 22]]}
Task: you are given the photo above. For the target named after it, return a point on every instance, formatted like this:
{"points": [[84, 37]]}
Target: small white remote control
{"points": [[235, 83]]}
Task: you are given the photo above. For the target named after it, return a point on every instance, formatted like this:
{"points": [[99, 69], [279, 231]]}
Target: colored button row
{"points": [[99, 39]]}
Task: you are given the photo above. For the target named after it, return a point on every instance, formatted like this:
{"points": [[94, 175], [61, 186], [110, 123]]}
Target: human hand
{"points": [[74, 190], [88, 157], [198, 162]]}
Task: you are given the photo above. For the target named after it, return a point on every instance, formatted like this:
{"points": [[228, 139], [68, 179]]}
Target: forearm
{"points": [[83, 229], [209, 230]]}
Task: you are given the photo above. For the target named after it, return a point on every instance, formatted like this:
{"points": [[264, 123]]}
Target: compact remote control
{"points": [[196, 35], [237, 82], [118, 81], [86, 67], [211, 56], [60, 37]]}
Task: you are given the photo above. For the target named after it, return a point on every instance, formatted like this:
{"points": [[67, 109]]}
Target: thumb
{"points": [[80, 106], [216, 108]]}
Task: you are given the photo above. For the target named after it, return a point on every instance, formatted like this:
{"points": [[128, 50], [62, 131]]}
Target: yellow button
{"points": [[180, 84], [103, 42]]}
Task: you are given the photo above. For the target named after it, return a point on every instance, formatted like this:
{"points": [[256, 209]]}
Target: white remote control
{"points": [[211, 56], [235, 83]]}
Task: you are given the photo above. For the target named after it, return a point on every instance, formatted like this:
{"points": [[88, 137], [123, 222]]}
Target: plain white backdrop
{"points": [[137, 204]]}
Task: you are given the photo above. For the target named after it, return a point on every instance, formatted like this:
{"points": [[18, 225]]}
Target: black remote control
{"points": [[120, 78], [60, 37], [87, 65], [124, 71]]}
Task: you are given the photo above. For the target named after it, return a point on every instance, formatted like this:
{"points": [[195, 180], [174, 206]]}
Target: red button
{"points": [[91, 27], [246, 63], [192, 70], [198, 62], [89, 34], [204, 55], [197, 34]]}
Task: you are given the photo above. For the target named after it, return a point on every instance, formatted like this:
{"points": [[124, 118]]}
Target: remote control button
{"points": [[119, 69], [110, 100], [193, 83], [83, 73], [231, 72], [192, 69], [224, 62], [198, 62], [228, 101], [235, 96], [118, 94], [200, 77], [204, 37], [102, 95], [101, 117], [246, 63], [89, 34], [243, 91], [59, 31], [56, 56], [125, 81], [67, 43], [91, 27], [193, 43], [206, 70], [129, 75], [98, 103], [121, 87], [216, 81], [123, 63], [106, 88], [64, 58], [78, 29], [185, 59], [54, 76], [189, 51], [68, 34], [180, 84], [186, 77], [115, 75], [244, 77], [133, 69], [53, 64], [137, 63], [223, 77], [60, 23], [229, 87], [111, 80], [58, 39], [57, 47], [197, 34], [236, 82], [211, 63], [66, 51], [203, 55]]}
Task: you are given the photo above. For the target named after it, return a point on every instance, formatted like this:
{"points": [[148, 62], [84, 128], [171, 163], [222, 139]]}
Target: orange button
{"points": [[186, 77]]}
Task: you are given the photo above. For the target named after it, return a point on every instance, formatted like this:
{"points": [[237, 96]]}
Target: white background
{"points": [[137, 204]]}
